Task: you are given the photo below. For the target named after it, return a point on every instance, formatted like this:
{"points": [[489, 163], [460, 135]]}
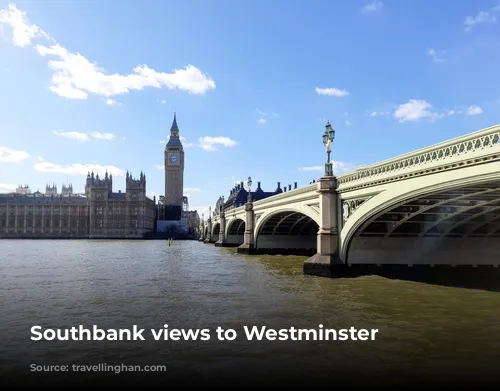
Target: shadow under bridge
{"points": [[287, 232], [235, 232]]}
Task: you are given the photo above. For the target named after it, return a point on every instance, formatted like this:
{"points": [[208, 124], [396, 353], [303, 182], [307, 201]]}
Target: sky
{"points": [[93, 85]]}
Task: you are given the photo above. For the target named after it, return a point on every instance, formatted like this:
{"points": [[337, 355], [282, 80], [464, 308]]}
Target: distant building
{"points": [[238, 196], [50, 190], [67, 190], [23, 189], [193, 219], [99, 213]]}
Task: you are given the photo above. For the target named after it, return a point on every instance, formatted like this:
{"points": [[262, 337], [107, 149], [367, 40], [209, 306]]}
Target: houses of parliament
{"points": [[99, 212]]}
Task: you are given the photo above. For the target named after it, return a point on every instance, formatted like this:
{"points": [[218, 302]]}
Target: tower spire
{"points": [[174, 139], [174, 124]]}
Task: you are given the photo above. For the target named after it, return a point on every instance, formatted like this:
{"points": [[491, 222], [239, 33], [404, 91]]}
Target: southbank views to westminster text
{"points": [[80, 333]]}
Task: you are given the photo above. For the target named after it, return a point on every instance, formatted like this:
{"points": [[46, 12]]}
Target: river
{"points": [[424, 331]]}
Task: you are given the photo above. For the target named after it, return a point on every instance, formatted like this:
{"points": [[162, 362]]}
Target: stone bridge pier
{"points": [[220, 228], [208, 237], [327, 259]]}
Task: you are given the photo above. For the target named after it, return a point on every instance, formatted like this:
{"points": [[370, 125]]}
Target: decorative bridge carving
{"points": [[350, 206], [448, 150]]}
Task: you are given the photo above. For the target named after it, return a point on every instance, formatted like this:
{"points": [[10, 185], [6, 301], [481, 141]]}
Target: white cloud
{"points": [[185, 143], [347, 122], [75, 76], [80, 136], [379, 113], [192, 189], [374, 6], [338, 167], [474, 110], [112, 102], [415, 110], [11, 155], [102, 136], [7, 188], [263, 115], [312, 168], [481, 17], [435, 56], [208, 143], [76, 168], [159, 166], [163, 101], [266, 114], [332, 92], [22, 31], [72, 135]]}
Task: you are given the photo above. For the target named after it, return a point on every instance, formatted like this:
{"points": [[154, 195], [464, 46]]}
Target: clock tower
{"points": [[174, 171]]}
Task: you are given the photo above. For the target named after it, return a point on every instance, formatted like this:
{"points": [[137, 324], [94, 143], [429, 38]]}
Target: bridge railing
{"points": [[450, 151], [287, 194]]}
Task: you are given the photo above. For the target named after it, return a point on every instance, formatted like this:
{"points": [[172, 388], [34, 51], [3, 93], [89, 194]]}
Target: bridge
{"points": [[435, 206]]}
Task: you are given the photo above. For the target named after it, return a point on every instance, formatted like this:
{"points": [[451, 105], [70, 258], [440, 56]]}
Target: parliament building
{"points": [[98, 212]]}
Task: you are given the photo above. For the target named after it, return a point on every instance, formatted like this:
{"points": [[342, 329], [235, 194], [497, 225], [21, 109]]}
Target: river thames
{"points": [[425, 332]]}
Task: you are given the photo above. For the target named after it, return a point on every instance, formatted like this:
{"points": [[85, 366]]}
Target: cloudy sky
{"points": [[92, 85]]}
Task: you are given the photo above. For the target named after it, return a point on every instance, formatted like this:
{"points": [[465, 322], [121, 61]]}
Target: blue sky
{"points": [[93, 85]]}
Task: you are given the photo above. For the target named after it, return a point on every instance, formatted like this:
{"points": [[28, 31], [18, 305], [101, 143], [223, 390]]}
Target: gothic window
{"points": [[99, 210], [99, 223], [135, 211], [133, 223]]}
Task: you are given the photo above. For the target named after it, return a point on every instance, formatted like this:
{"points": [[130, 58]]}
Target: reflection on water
{"points": [[424, 330]]}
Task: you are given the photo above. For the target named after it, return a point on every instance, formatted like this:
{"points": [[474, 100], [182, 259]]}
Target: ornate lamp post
{"points": [[328, 137], [249, 183]]}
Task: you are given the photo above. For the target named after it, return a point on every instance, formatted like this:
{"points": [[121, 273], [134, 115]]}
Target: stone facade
{"points": [[99, 213]]}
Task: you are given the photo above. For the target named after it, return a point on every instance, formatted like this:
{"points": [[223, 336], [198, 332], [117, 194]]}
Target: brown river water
{"points": [[425, 332]]}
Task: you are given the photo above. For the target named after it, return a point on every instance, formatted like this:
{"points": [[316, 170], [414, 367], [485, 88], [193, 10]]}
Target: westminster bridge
{"points": [[435, 206]]}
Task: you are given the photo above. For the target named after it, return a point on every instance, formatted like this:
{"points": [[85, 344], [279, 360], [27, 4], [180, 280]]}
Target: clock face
{"points": [[173, 158]]}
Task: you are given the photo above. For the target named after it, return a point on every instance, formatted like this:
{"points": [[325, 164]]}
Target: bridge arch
{"points": [[452, 217], [235, 231], [287, 230], [216, 231]]}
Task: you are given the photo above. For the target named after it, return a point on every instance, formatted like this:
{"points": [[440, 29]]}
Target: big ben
{"points": [[174, 174]]}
